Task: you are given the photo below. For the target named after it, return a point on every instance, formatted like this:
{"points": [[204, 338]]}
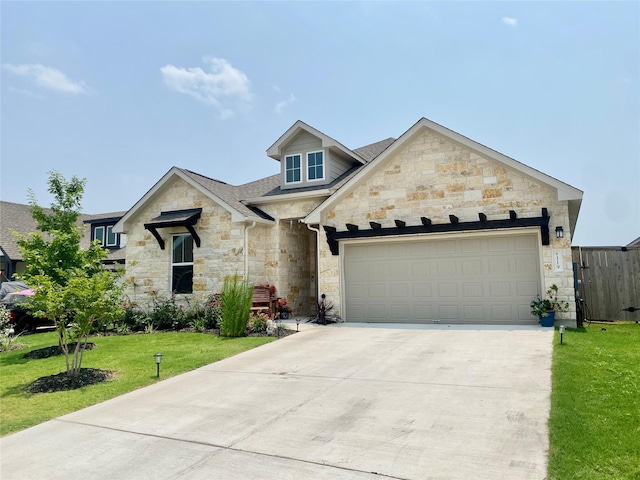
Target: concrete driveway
{"points": [[438, 402]]}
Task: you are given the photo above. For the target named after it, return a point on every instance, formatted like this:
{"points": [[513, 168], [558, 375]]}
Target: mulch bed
{"points": [[61, 381], [54, 350]]}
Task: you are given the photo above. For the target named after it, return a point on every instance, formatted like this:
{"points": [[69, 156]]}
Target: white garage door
{"points": [[464, 279]]}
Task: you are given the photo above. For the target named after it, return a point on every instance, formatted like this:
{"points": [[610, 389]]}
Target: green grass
{"points": [[595, 404], [130, 356]]}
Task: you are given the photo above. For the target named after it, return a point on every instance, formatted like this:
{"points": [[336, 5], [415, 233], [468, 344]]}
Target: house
{"points": [[17, 217], [429, 227]]}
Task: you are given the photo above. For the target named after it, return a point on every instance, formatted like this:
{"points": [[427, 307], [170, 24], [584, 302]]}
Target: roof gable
{"points": [[225, 195], [275, 150], [564, 190]]}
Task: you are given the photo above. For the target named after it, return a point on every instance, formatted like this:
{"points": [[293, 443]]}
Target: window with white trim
{"points": [[315, 166], [98, 234], [293, 168], [112, 237], [182, 264], [106, 236]]}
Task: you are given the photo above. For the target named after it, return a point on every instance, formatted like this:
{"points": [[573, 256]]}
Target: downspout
{"points": [[246, 248], [317, 230]]}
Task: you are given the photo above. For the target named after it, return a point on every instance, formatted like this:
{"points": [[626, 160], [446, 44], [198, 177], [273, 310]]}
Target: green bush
{"points": [[213, 311], [258, 323], [133, 320], [236, 306], [167, 314]]}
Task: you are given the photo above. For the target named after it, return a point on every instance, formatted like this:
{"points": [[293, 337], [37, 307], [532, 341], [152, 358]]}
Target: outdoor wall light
{"points": [[561, 330], [559, 232], [158, 357]]}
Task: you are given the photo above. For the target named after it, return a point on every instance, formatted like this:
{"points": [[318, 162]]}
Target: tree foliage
{"points": [[72, 288]]}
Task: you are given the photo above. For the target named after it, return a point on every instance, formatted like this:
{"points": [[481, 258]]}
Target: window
{"points": [[293, 169], [112, 237], [182, 264], [98, 234], [315, 166], [106, 236]]}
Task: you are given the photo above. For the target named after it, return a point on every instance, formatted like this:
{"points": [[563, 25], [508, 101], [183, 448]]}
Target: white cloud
{"points": [[221, 86], [510, 22], [47, 77], [280, 105]]}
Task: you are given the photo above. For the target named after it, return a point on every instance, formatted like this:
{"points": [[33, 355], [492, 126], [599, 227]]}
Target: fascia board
{"points": [[285, 197]]}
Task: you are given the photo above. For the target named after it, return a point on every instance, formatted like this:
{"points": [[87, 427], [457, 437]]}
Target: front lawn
{"points": [[129, 356], [595, 404]]}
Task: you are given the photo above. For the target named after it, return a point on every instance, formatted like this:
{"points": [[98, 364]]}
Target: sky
{"points": [[118, 92]]}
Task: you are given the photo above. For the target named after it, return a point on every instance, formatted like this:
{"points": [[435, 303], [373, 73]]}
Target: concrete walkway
{"points": [[441, 402]]}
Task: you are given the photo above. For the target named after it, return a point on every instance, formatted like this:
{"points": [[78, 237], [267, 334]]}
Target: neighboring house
{"points": [[17, 217], [101, 228], [429, 227]]}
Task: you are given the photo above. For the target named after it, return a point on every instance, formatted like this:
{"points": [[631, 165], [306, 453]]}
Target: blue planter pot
{"points": [[549, 320], [284, 315]]}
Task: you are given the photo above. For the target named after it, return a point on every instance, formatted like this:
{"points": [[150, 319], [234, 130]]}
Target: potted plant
{"points": [[284, 309], [545, 308]]}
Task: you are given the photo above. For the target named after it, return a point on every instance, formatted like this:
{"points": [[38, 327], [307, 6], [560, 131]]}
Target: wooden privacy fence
{"points": [[610, 281]]}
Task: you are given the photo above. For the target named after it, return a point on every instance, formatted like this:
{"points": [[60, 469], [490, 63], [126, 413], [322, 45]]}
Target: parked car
{"points": [[14, 295]]}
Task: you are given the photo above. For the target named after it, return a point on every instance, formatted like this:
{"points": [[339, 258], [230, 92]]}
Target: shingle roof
{"points": [[232, 195], [17, 216], [369, 152], [14, 216]]}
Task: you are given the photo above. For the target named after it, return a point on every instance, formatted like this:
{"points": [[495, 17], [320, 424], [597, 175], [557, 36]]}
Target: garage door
{"points": [[465, 279]]}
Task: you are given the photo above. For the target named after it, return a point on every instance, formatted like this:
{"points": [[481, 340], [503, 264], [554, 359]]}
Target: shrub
{"points": [[213, 311], [258, 323], [133, 320], [236, 305], [167, 314]]}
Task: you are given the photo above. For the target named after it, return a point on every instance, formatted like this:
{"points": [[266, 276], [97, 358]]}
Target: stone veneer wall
{"points": [[220, 252], [290, 254], [435, 177]]}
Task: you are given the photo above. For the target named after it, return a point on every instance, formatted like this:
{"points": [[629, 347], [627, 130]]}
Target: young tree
{"points": [[71, 286]]}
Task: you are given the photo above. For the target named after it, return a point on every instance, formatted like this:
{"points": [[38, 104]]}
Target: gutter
{"points": [[246, 248], [317, 230]]}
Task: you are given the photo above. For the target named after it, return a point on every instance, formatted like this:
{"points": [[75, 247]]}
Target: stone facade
{"points": [[428, 175], [220, 252], [434, 177], [290, 254], [282, 254]]}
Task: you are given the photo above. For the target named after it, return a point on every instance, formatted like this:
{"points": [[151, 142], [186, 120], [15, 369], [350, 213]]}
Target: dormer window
{"points": [[315, 166], [293, 168], [106, 235]]}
